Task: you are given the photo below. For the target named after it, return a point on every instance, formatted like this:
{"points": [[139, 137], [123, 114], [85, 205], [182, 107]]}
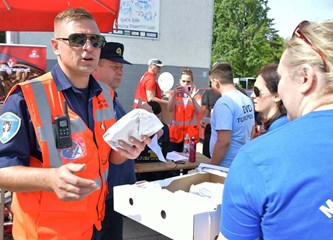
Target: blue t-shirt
{"points": [[235, 112], [278, 123], [280, 184]]}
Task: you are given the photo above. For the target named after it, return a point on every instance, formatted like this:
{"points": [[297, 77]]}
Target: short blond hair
{"points": [[72, 14]]}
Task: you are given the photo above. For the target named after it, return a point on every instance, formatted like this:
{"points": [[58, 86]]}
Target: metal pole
{"points": [[11, 37]]}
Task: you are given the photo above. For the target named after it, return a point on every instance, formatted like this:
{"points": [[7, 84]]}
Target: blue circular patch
{"points": [[72, 153]]}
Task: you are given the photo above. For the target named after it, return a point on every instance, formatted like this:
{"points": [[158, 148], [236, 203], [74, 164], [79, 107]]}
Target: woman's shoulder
{"points": [[279, 122]]}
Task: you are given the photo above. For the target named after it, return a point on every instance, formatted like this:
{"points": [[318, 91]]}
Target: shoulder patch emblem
{"points": [[10, 124]]}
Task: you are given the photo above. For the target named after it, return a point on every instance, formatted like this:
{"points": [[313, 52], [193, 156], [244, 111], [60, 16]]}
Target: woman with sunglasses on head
{"points": [[280, 184], [267, 101], [185, 107]]}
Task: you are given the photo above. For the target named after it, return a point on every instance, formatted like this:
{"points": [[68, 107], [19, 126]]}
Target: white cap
{"points": [[156, 62]]}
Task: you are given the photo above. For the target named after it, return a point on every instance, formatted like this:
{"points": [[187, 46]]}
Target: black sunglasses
{"points": [[257, 91], [298, 32], [79, 39]]}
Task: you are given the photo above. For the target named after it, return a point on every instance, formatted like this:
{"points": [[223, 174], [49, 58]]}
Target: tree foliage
{"points": [[244, 36]]}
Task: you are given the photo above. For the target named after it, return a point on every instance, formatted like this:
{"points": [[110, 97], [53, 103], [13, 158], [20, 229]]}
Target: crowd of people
{"points": [[62, 173], [277, 185], [59, 178]]}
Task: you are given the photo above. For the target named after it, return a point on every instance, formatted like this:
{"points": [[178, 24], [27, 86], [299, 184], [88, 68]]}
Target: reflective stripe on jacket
{"points": [[41, 214], [184, 120]]}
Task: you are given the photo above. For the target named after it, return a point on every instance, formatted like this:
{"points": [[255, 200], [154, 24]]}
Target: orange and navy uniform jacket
{"points": [[41, 214], [147, 82], [183, 121]]}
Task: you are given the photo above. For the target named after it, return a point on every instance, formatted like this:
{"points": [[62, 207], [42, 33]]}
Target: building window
{"points": [[2, 37]]}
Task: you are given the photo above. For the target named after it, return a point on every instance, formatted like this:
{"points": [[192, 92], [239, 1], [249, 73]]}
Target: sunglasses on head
{"points": [[79, 39], [187, 71], [298, 32]]}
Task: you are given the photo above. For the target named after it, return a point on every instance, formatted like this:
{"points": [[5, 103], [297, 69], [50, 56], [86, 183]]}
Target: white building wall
{"points": [[185, 36]]}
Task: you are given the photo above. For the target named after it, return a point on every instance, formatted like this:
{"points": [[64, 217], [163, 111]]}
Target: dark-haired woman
{"points": [[267, 101]]}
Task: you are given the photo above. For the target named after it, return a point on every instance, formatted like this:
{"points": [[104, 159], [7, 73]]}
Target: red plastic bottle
{"points": [[193, 150]]}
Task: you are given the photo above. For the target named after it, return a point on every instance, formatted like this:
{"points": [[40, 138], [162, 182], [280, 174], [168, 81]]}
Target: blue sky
{"points": [[288, 13]]}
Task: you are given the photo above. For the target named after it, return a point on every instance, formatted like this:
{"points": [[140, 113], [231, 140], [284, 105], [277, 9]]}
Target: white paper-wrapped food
{"points": [[136, 123]]}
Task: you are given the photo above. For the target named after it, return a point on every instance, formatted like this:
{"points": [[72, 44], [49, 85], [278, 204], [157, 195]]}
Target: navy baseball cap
{"points": [[114, 51]]}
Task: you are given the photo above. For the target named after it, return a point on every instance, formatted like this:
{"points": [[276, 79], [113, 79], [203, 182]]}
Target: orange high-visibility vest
{"points": [[183, 121], [41, 214]]}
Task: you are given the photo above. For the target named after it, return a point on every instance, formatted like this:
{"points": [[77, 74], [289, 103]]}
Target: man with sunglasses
{"points": [[280, 184], [232, 120], [54, 157]]}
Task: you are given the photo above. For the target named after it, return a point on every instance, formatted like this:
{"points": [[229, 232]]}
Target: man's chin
{"points": [[88, 69]]}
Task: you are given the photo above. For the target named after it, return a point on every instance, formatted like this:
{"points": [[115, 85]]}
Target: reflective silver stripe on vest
{"points": [[182, 102], [105, 113], [136, 101], [104, 176], [44, 132], [44, 111], [182, 123]]}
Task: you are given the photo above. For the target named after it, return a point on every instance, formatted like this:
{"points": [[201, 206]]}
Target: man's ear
{"points": [[216, 83], [307, 79], [55, 46]]}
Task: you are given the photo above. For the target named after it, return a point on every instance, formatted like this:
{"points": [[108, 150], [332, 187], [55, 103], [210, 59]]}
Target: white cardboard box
{"points": [[168, 211]]}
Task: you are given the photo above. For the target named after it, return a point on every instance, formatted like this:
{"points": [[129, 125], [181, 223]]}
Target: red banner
{"points": [[19, 63]]}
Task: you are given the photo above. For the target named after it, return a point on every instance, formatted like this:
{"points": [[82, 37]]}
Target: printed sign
{"points": [[19, 63], [138, 18]]}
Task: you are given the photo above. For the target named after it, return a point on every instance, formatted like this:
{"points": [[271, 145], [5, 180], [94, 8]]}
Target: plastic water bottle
{"points": [[186, 148], [193, 150]]}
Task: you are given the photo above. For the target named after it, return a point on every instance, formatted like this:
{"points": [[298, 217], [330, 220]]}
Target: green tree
{"points": [[244, 36]]}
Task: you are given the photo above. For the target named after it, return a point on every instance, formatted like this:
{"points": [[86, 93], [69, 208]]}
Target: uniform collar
{"points": [[63, 83]]}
